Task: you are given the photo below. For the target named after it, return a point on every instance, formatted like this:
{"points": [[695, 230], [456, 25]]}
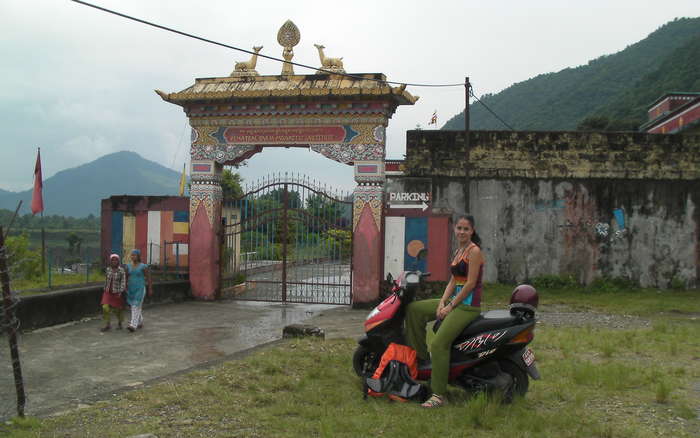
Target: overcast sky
{"points": [[79, 83]]}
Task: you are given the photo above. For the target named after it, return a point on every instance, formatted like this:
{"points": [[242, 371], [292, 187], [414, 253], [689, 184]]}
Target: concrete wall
{"points": [[51, 308], [581, 155], [585, 204]]}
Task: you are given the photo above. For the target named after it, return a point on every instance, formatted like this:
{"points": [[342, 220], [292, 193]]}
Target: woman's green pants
{"points": [[106, 310], [418, 314]]}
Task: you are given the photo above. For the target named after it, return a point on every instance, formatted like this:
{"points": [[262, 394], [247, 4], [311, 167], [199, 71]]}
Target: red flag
{"points": [[433, 119], [37, 199]]}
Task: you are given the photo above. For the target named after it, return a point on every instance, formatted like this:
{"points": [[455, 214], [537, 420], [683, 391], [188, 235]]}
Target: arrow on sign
{"points": [[423, 206]]}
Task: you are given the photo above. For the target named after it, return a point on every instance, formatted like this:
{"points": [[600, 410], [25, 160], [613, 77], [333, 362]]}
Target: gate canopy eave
{"points": [[357, 86]]}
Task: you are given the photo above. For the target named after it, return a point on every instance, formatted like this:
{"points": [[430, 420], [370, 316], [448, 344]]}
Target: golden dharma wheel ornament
{"points": [[288, 36]]}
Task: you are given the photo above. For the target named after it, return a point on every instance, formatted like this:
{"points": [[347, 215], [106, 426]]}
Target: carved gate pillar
{"points": [[368, 249], [205, 221]]}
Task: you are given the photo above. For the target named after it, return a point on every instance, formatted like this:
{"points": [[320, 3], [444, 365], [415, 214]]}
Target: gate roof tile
{"points": [[295, 86]]}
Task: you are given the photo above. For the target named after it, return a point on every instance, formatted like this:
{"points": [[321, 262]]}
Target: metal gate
{"points": [[288, 239]]}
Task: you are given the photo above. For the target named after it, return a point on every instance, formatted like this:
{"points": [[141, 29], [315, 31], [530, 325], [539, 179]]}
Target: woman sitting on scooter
{"points": [[458, 306]]}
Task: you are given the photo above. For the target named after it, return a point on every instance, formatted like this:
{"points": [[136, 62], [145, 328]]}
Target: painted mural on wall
{"points": [[405, 238], [158, 228]]}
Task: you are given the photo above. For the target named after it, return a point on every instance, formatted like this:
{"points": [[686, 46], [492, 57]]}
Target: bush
{"points": [[239, 278], [270, 251], [22, 261], [610, 284], [555, 282], [343, 238], [677, 283]]}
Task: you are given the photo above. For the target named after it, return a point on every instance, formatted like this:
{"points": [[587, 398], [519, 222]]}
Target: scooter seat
{"points": [[490, 320]]}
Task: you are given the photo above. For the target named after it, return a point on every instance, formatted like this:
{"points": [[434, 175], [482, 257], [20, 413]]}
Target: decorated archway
{"points": [[343, 117]]}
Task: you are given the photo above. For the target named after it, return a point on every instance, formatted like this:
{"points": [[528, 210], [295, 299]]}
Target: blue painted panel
{"points": [[181, 216], [416, 238], [117, 233], [619, 218]]}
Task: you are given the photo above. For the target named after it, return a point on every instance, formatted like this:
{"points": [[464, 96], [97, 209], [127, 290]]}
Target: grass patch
{"points": [[42, 282], [647, 302], [597, 382], [306, 387]]}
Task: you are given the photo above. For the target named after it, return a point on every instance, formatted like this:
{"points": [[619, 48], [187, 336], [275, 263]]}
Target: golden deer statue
{"points": [[331, 64], [247, 68]]}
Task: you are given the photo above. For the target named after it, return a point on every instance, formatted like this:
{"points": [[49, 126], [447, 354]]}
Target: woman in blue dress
{"points": [[138, 274]]}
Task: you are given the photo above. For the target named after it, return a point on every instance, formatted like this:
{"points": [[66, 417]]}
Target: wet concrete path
{"points": [[67, 365]]}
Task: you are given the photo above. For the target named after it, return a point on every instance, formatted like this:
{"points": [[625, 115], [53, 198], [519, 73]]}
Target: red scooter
{"points": [[490, 354]]}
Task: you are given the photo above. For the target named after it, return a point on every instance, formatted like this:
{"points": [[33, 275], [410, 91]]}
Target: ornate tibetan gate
{"points": [[343, 117], [290, 239]]}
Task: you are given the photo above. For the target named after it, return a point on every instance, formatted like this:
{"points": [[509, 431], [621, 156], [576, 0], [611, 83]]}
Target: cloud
{"points": [[79, 83]]}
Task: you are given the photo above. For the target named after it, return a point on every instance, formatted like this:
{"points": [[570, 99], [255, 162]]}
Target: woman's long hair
{"points": [[469, 218]]}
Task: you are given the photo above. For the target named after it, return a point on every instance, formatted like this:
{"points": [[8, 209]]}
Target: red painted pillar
{"points": [[367, 254], [205, 223]]}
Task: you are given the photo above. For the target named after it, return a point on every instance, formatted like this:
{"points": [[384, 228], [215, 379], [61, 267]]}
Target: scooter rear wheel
{"points": [[365, 361], [520, 383]]}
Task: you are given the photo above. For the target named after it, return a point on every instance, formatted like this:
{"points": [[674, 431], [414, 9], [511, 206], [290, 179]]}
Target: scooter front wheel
{"points": [[365, 361]]}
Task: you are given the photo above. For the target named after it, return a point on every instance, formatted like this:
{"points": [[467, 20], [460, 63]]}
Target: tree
{"points": [[327, 212], [593, 123], [74, 242], [231, 185]]}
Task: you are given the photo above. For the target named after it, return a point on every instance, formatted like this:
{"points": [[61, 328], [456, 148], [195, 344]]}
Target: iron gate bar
{"points": [[297, 283], [285, 229]]}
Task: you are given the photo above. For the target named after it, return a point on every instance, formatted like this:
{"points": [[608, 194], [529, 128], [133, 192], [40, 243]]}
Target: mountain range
{"points": [[618, 86], [77, 192]]}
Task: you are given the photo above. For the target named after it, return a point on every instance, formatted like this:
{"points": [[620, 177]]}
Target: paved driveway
{"points": [[67, 365]]}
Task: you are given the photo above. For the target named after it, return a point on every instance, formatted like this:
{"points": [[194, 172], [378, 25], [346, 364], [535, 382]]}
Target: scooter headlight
{"points": [[412, 278]]}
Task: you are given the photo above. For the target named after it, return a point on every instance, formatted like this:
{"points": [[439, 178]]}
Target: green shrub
{"points": [[22, 262], [663, 390], [239, 278], [270, 251], [610, 284], [677, 283], [555, 282]]}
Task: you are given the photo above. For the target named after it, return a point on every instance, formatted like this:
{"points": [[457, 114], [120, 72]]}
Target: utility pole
{"points": [[467, 166], [11, 326]]}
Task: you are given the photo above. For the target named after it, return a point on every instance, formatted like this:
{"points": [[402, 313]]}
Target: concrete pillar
{"points": [[205, 223]]}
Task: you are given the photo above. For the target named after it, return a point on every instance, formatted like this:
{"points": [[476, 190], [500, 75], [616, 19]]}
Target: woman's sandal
{"points": [[435, 401]]}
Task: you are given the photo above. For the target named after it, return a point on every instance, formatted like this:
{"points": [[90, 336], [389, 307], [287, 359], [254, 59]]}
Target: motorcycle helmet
{"points": [[524, 298]]}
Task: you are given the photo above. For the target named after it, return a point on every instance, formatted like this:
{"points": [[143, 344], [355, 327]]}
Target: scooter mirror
{"points": [[389, 278], [422, 254]]}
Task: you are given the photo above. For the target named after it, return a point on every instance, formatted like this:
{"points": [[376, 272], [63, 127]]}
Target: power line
{"points": [[158, 26], [189, 35], [471, 93]]}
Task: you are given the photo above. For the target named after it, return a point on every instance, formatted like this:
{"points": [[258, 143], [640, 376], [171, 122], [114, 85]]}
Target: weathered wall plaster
{"points": [[584, 204]]}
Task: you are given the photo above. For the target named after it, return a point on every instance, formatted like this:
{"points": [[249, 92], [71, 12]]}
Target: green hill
{"points": [[679, 71], [560, 101], [77, 192]]}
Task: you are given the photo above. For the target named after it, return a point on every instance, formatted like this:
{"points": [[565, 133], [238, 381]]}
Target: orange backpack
{"points": [[395, 376]]}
